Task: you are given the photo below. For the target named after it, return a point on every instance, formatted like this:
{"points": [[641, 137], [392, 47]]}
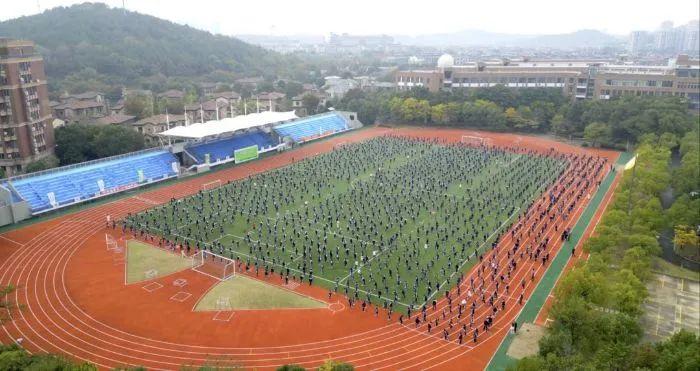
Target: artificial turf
{"points": [[142, 258], [390, 218], [244, 292]]}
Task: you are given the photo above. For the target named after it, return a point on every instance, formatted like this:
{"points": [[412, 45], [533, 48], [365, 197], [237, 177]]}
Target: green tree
{"points": [[290, 368], [686, 242], [311, 102], [331, 365], [79, 143], [12, 358], [45, 163], [292, 89], [140, 106], [559, 124], [115, 140], [680, 352], [73, 143], [597, 133]]}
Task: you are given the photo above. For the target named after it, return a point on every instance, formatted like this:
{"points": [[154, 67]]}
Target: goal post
{"points": [[211, 185], [475, 140], [213, 265], [110, 242]]}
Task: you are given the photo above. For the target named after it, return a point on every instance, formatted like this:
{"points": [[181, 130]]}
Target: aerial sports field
{"points": [[352, 218]]}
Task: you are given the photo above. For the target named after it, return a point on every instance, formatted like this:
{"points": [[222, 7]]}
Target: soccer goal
{"points": [[211, 185], [111, 242], [475, 140], [213, 265]]}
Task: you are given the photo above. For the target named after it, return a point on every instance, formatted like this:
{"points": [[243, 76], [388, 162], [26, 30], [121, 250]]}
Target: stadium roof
{"points": [[228, 125]]}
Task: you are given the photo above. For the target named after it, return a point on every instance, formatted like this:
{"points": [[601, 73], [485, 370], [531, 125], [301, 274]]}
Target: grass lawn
{"points": [[386, 218], [142, 258], [662, 266], [248, 293]]}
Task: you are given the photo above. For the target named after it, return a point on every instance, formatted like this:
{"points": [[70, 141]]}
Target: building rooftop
{"points": [[160, 119], [115, 119], [172, 94], [80, 104]]}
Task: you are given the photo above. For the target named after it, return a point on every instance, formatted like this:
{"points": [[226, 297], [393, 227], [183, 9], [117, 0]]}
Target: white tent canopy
{"points": [[228, 125]]}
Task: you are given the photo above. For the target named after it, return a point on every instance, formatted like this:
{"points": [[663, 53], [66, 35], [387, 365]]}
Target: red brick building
{"points": [[26, 133]]}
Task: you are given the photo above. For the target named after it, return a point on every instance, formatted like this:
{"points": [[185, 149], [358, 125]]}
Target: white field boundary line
{"points": [[555, 175], [11, 240], [507, 221], [472, 255], [26, 253], [520, 270], [422, 222], [608, 197], [497, 321], [569, 223], [506, 244], [297, 211], [64, 287]]}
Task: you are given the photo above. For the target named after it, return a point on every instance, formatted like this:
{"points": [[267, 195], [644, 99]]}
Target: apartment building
{"points": [[26, 133]]}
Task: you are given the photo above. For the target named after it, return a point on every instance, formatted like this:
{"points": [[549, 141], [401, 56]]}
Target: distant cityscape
{"points": [[664, 42]]}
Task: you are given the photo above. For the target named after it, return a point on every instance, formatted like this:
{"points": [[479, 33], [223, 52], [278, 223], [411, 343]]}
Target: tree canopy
{"points": [[91, 47], [78, 143], [614, 123]]}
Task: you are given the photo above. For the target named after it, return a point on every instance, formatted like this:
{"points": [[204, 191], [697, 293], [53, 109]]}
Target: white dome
{"points": [[445, 61]]}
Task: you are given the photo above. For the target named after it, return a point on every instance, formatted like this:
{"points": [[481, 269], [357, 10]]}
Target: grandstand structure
{"points": [[184, 150], [313, 127]]}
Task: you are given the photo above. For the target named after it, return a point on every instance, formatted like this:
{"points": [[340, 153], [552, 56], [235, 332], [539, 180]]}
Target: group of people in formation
{"points": [[393, 222]]}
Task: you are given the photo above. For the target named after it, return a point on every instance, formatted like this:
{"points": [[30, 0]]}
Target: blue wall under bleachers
{"points": [[222, 149], [313, 127], [81, 182]]}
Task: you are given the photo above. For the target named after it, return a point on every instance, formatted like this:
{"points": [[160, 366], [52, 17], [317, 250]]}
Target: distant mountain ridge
{"points": [[578, 39], [123, 46]]}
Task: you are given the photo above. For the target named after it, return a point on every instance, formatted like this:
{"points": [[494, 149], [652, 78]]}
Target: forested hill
{"points": [[124, 46]]}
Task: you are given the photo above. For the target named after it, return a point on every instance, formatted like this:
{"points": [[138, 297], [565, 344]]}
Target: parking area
{"points": [[673, 304]]}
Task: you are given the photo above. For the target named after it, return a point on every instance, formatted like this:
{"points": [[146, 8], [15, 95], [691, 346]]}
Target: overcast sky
{"points": [[409, 17]]}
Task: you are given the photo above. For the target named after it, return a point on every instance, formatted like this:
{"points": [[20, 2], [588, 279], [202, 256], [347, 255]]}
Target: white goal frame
{"points": [[475, 140], [111, 242], [224, 268], [211, 185]]}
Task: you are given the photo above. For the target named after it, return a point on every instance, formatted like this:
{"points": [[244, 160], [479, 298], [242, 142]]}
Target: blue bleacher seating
{"points": [[313, 127], [221, 149], [81, 182]]}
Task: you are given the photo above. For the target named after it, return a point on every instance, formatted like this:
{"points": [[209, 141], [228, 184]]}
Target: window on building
{"points": [[667, 84]]}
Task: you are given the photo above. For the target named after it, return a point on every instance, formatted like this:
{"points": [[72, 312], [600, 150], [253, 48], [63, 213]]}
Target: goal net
{"points": [[475, 140], [213, 265], [111, 242], [211, 185]]}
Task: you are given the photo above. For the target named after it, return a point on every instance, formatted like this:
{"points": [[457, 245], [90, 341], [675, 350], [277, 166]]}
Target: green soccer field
{"points": [[388, 219]]}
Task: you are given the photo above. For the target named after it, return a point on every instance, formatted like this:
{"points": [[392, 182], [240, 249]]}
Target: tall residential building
{"points": [[26, 133], [691, 40], [667, 39]]}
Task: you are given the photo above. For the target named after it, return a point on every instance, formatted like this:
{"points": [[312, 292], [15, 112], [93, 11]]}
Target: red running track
{"points": [[76, 302]]}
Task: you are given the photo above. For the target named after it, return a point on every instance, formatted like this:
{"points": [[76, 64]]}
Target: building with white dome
{"points": [[578, 79], [445, 61]]}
